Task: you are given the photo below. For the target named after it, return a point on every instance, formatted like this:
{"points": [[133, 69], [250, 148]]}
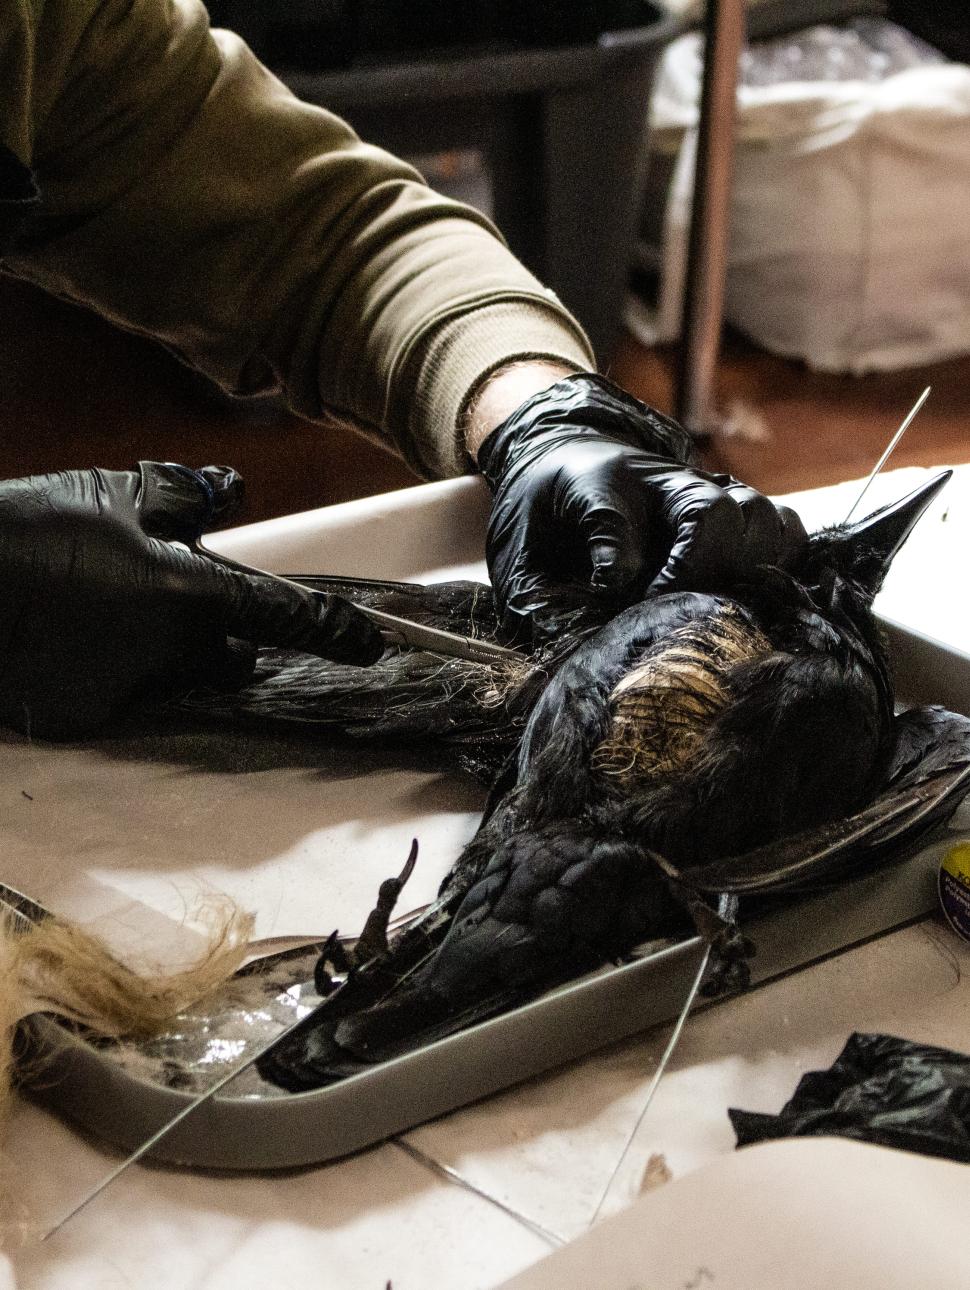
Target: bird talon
{"points": [[727, 977], [372, 942], [332, 965]]}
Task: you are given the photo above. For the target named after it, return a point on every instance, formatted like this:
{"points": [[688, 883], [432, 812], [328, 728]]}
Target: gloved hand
{"points": [[596, 506], [98, 609]]}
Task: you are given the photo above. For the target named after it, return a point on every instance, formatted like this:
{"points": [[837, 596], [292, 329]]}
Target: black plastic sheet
{"points": [[879, 1089]]}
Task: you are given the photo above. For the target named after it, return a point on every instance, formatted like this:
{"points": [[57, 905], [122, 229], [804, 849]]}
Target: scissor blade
{"points": [[403, 631], [396, 631]]}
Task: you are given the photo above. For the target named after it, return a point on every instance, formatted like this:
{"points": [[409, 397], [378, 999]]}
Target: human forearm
{"points": [[261, 240], [503, 392]]}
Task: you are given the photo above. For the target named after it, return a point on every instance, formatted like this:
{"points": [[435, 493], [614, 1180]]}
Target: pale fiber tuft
{"points": [[662, 707], [55, 966]]}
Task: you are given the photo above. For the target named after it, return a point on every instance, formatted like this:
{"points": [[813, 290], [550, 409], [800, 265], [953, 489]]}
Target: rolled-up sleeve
{"points": [[187, 194]]}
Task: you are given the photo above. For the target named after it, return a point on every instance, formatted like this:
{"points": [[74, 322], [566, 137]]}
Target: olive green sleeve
{"points": [[187, 194]]}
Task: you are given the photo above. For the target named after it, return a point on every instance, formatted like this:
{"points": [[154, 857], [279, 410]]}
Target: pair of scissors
{"points": [[397, 632]]}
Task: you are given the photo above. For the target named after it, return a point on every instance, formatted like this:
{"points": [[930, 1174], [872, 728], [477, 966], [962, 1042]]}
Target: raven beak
{"points": [[884, 531]]}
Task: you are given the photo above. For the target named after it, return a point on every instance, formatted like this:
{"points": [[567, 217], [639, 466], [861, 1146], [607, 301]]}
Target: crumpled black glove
{"points": [[98, 609], [596, 505]]}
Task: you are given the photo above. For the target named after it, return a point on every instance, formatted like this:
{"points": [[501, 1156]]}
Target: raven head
{"points": [[859, 555], [706, 725]]}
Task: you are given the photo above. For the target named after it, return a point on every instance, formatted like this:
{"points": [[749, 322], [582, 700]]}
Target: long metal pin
{"points": [[167, 1127], [889, 450], [453, 1176], [668, 1052]]}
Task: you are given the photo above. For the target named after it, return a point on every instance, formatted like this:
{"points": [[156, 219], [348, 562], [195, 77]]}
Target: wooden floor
{"points": [[76, 392], [786, 428]]}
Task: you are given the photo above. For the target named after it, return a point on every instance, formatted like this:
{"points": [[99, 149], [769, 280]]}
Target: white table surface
{"points": [[125, 836]]}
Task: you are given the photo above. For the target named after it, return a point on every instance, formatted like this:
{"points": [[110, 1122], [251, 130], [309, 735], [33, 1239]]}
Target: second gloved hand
{"points": [[100, 609], [596, 505]]}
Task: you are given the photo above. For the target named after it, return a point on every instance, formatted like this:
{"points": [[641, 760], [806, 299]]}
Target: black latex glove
{"points": [[98, 609], [596, 506]]}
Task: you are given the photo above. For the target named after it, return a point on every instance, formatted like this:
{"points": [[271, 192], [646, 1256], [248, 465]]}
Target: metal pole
{"points": [[724, 28]]}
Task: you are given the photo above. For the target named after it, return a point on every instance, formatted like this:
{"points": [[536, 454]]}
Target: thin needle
{"points": [[889, 451], [453, 1176], [155, 1138], [657, 1075]]}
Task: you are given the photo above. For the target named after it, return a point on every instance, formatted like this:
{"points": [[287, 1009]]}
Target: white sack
{"points": [[850, 218]]}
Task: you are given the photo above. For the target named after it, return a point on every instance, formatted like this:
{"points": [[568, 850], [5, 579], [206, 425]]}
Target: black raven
{"points": [[701, 741]]}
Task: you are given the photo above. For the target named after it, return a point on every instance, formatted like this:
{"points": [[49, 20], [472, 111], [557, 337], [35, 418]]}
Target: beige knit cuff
{"points": [[447, 369]]}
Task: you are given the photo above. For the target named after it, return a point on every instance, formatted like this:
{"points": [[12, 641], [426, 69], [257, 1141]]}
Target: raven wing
{"points": [[927, 777]]}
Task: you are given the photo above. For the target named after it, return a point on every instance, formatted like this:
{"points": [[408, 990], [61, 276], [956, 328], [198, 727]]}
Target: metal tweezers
{"points": [[400, 633]]}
